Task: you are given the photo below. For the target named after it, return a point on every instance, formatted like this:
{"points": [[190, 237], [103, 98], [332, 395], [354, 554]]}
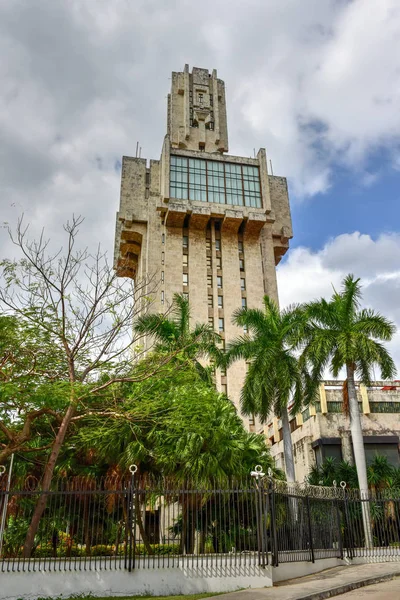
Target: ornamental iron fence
{"points": [[137, 523]]}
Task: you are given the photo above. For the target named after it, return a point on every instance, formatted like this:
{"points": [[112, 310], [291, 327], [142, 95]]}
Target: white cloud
{"points": [[315, 82], [308, 275]]}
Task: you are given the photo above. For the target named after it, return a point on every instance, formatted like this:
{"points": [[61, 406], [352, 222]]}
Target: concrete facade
{"points": [[202, 222], [215, 575], [323, 430]]}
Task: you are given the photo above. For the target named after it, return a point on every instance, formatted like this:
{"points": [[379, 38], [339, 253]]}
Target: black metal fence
{"points": [[131, 524]]}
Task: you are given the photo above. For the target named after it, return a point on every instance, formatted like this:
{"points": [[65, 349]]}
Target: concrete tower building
{"points": [[205, 223]]}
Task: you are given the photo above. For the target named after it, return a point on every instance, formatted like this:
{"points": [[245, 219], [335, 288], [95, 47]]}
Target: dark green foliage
{"points": [[274, 377], [338, 333], [179, 426]]}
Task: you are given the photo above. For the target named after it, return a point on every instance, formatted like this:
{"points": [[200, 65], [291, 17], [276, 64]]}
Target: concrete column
{"points": [[275, 427], [198, 276], [322, 397], [364, 398], [173, 264]]}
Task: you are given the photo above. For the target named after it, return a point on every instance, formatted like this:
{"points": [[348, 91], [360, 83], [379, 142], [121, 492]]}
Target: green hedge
{"points": [[47, 551]]}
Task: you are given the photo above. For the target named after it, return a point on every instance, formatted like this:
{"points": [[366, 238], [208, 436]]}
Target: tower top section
{"points": [[197, 111]]}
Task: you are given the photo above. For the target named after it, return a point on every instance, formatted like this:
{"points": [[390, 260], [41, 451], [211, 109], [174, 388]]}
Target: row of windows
{"points": [[211, 301], [214, 181]]}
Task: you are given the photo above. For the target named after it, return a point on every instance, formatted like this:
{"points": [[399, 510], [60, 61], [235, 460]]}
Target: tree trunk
{"points": [[139, 522], [287, 446], [359, 453], [7, 452], [47, 477]]}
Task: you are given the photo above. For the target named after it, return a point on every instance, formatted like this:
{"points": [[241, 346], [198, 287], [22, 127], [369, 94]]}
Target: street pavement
{"points": [[388, 590], [326, 584]]}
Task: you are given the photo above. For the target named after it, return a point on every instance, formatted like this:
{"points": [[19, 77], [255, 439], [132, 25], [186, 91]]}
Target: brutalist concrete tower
{"points": [[204, 223]]}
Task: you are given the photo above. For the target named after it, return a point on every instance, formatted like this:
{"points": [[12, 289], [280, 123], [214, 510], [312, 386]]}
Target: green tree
{"points": [[173, 332], [81, 307], [274, 378], [177, 426], [32, 387], [339, 334]]}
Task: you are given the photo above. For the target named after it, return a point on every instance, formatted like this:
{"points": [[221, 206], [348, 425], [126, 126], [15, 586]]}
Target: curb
{"points": [[348, 587]]}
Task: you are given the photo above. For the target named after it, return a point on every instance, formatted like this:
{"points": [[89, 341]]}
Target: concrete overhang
{"points": [[176, 214]]}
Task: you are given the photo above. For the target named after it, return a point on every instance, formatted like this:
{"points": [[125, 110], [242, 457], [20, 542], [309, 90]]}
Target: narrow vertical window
{"points": [[221, 325], [162, 258], [162, 297], [209, 280], [185, 241], [220, 302], [240, 246], [185, 278], [218, 245], [219, 262], [210, 301], [163, 238], [162, 276], [244, 303], [242, 284], [241, 264], [185, 260], [219, 281]]}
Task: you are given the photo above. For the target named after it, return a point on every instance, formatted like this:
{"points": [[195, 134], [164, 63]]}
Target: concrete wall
{"points": [[215, 576]]}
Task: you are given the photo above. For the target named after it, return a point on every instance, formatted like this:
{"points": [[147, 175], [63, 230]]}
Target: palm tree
{"points": [[172, 332], [274, 378], [339, 334]]}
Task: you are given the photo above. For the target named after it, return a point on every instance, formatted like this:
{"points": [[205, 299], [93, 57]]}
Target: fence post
{"points": [[340, 539], [266, 514], [310, 528], [131, 519], [261, 524], [258, 476], [347, 525], [274, 539]]}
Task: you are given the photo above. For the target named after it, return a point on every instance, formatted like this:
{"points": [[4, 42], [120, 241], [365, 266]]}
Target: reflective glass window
{"points": [[214, 181]]}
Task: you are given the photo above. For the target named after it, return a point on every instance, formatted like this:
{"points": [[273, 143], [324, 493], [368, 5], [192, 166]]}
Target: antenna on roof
{"points": [[272, 171], [140, 151], [137, 147]]}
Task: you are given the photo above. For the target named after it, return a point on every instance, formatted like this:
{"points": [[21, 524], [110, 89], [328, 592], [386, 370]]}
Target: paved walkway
{"points": [[388, 590], [322, 585]]}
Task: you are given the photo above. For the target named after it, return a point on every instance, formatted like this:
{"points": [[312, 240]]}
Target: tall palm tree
{"points": [[173, 332], [274, 378], [339, 334]]}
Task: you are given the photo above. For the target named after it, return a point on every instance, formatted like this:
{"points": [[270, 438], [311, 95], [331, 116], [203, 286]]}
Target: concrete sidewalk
{"points": [[322, 585]]}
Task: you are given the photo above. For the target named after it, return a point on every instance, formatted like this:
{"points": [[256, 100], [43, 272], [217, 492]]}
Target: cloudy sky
{"points": [[316, 82]]}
